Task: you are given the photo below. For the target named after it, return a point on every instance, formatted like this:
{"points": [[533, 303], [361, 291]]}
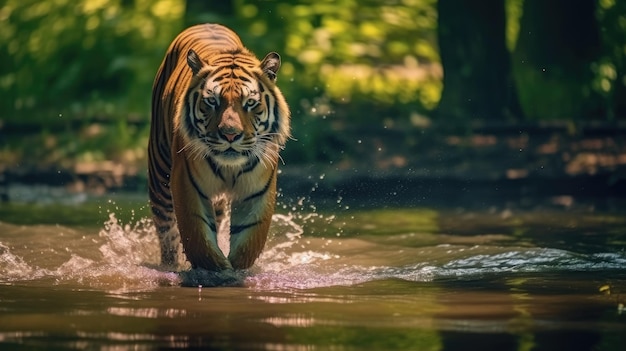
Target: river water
{"points": [[86, 276]]}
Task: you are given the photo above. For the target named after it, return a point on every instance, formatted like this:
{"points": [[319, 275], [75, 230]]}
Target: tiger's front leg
{"points": [[197, 224], [250, 222]]}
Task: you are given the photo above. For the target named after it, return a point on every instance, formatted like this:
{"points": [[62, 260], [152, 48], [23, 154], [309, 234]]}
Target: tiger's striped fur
{"points": [[218, 124]]}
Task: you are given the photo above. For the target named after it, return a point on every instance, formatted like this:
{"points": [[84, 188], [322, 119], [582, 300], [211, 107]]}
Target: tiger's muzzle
{"points": [[234, 145], [230, 126]]}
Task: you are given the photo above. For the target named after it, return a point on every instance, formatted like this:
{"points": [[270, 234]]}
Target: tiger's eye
{"points": [[251, 103], [210, 100]]}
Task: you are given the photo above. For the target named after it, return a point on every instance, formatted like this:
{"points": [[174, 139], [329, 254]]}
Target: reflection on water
{"points": [[405, 279]]}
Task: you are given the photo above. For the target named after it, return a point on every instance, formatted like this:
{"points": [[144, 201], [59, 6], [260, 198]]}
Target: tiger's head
{"points": [[233, 111]]}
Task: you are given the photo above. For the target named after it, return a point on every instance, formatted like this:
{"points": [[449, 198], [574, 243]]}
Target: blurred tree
{"points": [[477, 80], [558, 42], [202, 11], [345, 63], [82, 58]]}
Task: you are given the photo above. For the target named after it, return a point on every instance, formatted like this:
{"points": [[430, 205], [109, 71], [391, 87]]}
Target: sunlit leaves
{"points": [[62, 53], [358, 49]]}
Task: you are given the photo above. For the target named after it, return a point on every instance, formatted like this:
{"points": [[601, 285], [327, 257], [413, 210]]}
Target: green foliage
{"points": [[97, 58], [610, 70], [91, 58], [513, 9], [364, 50], [345, 63]]}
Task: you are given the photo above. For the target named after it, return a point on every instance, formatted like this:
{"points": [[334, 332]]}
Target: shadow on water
{"points": [[341, 278]]}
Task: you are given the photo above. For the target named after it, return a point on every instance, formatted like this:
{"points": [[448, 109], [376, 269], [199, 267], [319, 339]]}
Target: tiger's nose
{"points": [[230, 133]]}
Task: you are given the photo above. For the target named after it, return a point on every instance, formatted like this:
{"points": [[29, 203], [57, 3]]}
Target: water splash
{"points": [[125, 261], [124, 257], [129, 245], [14, 267]]}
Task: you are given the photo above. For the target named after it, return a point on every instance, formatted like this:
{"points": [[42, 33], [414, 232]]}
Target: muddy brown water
{"points": [[86, 276]]}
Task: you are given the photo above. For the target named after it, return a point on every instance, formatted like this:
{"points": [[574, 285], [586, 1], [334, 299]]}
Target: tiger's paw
{"points": [[198, 277]]}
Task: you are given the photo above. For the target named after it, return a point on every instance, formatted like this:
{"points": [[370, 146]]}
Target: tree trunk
{"points": [[477, 82], [558, 41]]}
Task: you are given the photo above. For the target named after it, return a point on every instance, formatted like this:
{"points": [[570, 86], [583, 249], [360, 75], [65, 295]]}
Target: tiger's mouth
{"points": [[231, 153], [230, 156]]}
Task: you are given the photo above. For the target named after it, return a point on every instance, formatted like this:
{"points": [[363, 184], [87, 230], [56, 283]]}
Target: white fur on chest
{"points": [[231, 182]]}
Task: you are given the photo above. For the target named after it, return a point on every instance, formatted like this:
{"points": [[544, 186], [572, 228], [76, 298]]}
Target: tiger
{"points": [[218, 123]]}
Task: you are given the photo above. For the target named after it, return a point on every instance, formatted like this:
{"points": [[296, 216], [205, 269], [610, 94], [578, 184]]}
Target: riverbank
{"points": [[482, 166]]}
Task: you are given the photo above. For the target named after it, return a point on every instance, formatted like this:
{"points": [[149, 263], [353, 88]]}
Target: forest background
{"points": [[76, 75]]}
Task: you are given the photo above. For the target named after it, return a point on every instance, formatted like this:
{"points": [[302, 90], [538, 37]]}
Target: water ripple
{"points": [[122, 258]]}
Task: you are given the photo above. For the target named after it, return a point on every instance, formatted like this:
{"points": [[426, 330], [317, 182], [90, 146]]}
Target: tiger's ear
{"points": [[270, 65], [194, 61]]}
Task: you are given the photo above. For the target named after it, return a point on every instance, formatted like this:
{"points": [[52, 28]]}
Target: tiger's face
{"points": [[231, 115]]}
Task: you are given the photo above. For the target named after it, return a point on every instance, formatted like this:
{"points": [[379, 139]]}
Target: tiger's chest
{"points": [[237, 183]]}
